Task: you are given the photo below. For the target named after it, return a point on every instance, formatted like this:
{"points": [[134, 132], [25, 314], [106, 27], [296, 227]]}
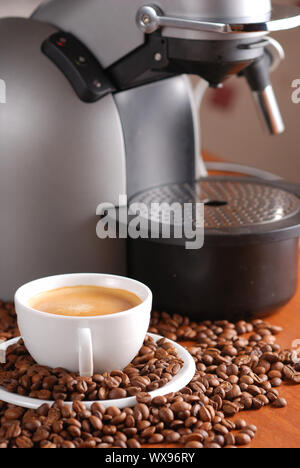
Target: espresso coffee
{"points": [[84, 301]]}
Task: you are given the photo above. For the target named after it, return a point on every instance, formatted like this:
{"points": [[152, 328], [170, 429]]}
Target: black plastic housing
{"points": [[79, 66], [225, 282], [238, 274]]}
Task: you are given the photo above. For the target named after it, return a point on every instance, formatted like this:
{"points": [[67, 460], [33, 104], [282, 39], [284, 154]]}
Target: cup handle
{"points": [[85, 352]]}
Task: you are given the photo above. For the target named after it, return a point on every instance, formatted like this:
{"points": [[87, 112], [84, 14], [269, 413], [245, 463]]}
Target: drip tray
{"points": [[234, 207]]}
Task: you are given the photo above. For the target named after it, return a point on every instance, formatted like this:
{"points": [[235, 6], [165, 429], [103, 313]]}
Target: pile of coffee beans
{"points": [[175, 419], [239, 367], [156, 364], [8, 321]]}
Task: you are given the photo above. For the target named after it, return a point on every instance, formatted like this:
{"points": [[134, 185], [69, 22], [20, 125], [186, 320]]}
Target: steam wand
{"points": [[258, 77]]}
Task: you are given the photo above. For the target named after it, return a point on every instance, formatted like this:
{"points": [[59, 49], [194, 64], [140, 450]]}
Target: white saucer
{"points": [[178, 382]]}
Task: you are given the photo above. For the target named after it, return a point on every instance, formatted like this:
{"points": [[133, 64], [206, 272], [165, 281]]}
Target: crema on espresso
{"points": [[84, 301]]}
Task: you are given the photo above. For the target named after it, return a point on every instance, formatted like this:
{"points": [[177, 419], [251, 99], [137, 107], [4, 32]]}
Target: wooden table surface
{"points": [[280, 428]]}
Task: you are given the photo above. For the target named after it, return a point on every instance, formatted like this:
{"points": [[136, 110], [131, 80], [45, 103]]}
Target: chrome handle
{"points": [[150, 18]]}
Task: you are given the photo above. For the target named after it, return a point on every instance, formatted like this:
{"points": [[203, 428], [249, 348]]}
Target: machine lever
{"points": [[150, 18]]}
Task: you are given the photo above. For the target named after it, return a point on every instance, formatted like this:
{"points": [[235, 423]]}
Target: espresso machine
{"points": [[98, 105]]}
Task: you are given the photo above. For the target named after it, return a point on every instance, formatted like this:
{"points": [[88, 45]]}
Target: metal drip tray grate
{"points": [[228, 203]]}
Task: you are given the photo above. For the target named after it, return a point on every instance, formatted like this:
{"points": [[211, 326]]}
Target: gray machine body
{"points": [[109, 29], [60, 158]]}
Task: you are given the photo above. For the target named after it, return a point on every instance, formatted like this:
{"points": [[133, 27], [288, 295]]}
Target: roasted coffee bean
{"points": [[129, 421], [121, 436], [199, 436], [96, 423], [13, 414], [111, 412], [73, 422], [156, 439], [180, 406], [242, 439], [190, 421], [172, 437], [40, 435], [159, 401], [274, 374], [254, 390], [148, 433], [67, 412], [252, 428], [277, 366], [219, 428], [240, 424], [205, 414], [272, 395], [166, 415], [228, 423], [109, 429], [142, 425], [13, 431], [296, 378], [68, 445], [230, 409], [117, 393], [194, 445], [279, 403], [212, 446], [74, 431], [263, 399], [276, 382], [88, 444], [141, 411], [32, 425], [24, 442], [43, 410], [234, 393], [130, 431], [297, 367], [96, 408], [250, 433], [133, 443], [143, 397], [219, 439], [57, 427], [229, 439], [257, 404]]}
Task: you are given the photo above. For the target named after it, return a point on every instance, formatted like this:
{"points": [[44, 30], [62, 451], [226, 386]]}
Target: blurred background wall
{"points": [[18, 7], [230, 127]]}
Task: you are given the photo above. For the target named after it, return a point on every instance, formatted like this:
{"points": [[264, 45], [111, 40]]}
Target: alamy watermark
{"points": [[296, 92], [2, 92], [2, 354], [155, 221], [296, 351]]}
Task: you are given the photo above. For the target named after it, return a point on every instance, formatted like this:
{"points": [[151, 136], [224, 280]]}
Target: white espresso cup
{"points": [[85, 345]]}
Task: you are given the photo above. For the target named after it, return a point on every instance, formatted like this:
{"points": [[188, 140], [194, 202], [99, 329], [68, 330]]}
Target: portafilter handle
{"points": [[258, 77]]}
